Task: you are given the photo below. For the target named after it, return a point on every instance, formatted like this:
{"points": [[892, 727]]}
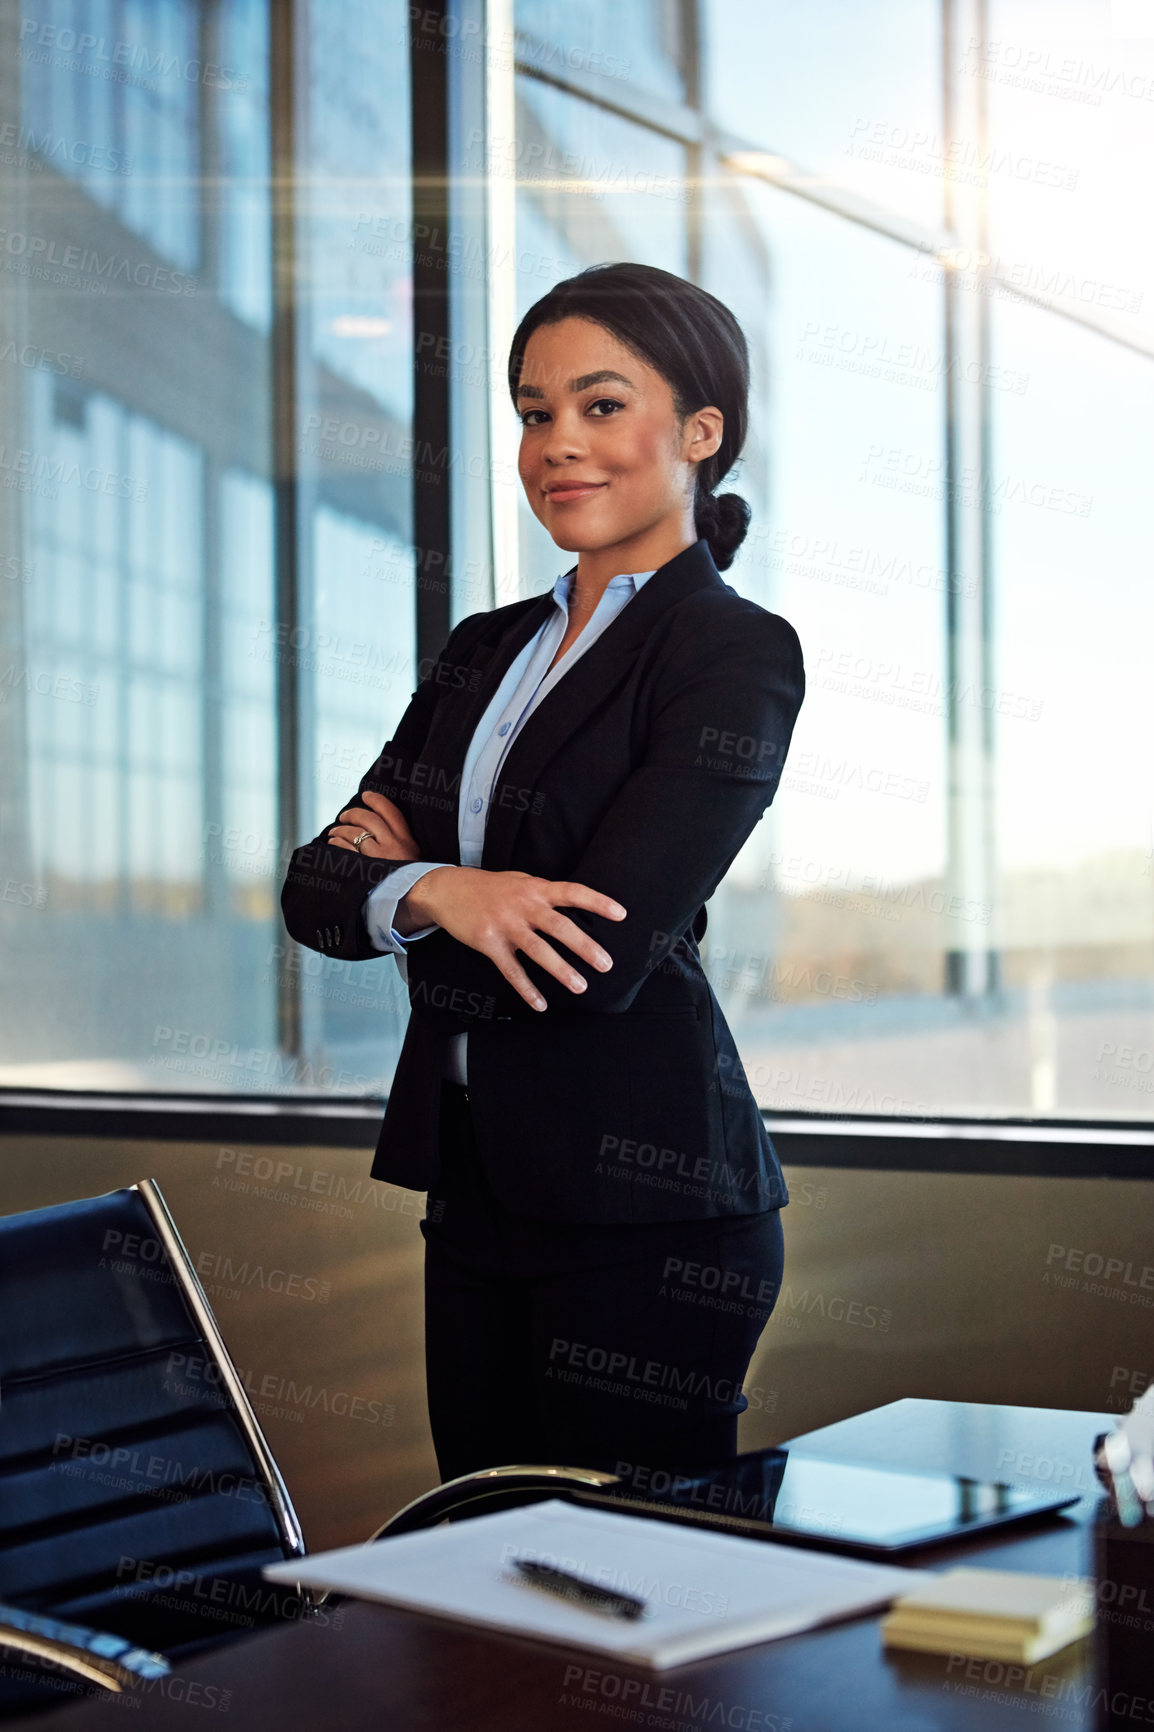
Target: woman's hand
{"points": [[389, 835], [499, 913]]}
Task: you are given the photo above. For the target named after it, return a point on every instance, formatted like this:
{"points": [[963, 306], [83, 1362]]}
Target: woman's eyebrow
{"points": [[579, 384]]}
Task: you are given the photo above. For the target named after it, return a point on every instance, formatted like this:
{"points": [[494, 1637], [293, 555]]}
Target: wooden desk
{"points": [[375, 1668]]}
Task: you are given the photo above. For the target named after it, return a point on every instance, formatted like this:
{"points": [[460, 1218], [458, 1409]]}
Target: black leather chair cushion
{"points": [[130, 1499], [84, 1283]]}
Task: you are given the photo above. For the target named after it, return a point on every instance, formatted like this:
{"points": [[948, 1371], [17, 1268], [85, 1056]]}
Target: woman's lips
{"points": [[563, 495]]}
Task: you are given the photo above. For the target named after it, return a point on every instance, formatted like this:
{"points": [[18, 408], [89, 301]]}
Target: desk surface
{"points": [[370, 1666]]}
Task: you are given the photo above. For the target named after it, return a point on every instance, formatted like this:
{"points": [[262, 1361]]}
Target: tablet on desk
{"points": [[788, 1496]]}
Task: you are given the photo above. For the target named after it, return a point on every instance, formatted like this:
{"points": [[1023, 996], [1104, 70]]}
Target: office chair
{"points": [[141, 1498]]}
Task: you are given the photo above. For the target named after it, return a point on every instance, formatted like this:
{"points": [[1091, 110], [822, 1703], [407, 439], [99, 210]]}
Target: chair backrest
{"points": [[134, 1472]]}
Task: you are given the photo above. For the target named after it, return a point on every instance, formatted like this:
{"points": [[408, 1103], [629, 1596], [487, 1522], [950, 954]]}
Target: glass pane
{"points": [[645, 46], [245, 256], [1070, 91], [600, 188], [354, 648], [624, 195], [242, 840], [826, 941], [133, 937], [142, 715], [846, 92], [1075, 822]]}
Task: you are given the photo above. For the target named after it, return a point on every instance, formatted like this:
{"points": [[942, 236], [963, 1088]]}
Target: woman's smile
{"points": [[569, 495]]}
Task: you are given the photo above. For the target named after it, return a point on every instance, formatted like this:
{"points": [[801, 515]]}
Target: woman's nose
{"points": [[564, 438]]}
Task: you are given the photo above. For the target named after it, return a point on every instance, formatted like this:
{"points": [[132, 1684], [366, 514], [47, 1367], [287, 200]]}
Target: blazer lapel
{"points": [[506, 634], [563, 710]]}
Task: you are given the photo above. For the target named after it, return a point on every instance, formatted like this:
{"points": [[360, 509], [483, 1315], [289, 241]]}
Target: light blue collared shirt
{"points": [[524, 685]]}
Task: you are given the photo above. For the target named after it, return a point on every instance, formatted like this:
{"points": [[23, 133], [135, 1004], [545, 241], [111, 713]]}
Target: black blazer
{"points": [[640, 774]]}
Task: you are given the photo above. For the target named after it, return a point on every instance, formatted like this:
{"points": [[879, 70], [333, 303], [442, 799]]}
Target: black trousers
{"points": [[584, 1344]]}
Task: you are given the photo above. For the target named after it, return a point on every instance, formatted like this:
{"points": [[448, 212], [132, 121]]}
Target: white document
{"points": [[706, 1592]]}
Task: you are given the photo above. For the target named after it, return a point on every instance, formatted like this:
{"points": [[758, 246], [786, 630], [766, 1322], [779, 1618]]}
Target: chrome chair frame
{"points": [[490, 1485], [197, 1302], [487, 1485]]}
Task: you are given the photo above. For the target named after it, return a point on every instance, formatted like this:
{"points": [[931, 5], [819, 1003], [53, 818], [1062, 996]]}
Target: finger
{"points": [[351, 831], [381, 803], [365, 820], [559, 925], [346, 836], [395, 827], [517, 978], [391, 813], [568, 895], [537, 950], [383, 826]]}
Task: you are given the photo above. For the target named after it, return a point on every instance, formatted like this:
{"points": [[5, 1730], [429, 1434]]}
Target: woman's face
{"points": [[602, 458]]}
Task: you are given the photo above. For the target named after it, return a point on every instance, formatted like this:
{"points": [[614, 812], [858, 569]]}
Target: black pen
{"points": [[588, 1594]]}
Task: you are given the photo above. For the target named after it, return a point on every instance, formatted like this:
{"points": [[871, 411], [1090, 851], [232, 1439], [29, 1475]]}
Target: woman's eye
{"points": [[599, 402]]}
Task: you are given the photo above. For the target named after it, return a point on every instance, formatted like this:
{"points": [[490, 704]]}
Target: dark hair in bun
{"points": [[695, 343]]}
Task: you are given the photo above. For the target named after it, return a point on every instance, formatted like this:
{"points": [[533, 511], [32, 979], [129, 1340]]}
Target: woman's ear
{"points": [[704, 429]]}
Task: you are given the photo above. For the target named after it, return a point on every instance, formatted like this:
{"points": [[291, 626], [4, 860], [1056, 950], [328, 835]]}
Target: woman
{"points": [[536, 844]]}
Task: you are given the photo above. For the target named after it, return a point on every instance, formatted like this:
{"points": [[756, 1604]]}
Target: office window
{"points": [[848, 94], [110, 695], [644, 49], [1072, 137], [161, 652], [945, 290], [831, 906], [242, 843], [242, 196], [935, 262], [1073, 625], [354, 200], [111, 98], [353, 651], [164, 673]]}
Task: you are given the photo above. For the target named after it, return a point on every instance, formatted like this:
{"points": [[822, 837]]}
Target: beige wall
{"points": [[963, 1274], [895, 1284]]}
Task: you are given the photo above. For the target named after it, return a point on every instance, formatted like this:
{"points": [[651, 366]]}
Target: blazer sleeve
{"points": [[720, 731], [325, 888]]}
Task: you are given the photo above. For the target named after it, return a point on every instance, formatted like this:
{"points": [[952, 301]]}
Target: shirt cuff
{"points": [[380, 907]]}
